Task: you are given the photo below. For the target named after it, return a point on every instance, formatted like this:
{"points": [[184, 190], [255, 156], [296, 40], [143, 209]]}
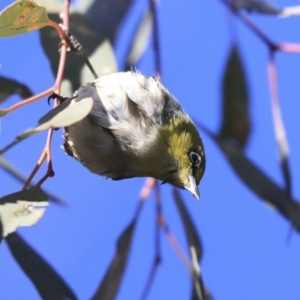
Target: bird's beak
{"points": [[192, 187]]}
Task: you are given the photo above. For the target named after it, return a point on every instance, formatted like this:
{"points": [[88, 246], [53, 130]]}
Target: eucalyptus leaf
{"points": [[66, 114], [46, 280], [258, 6], [236, 122], [111, 282], [103, 60], [140, 40], [256, 180], [23, 208], [21, 17], [3, 112], [195, 246], [10, 87], [190, 229], [108, 15]]}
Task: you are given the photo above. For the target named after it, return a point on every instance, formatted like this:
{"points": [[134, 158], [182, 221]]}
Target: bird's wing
{"points": [[129, 104]]}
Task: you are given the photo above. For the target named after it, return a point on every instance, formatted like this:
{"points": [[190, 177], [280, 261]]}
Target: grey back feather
{"points": [[130, 105]]}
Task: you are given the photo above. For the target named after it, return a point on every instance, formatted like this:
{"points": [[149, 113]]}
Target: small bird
{"points": [[136, 128]]}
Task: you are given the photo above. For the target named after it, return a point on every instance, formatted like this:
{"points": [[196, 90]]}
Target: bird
{"points": [[136, 128]]}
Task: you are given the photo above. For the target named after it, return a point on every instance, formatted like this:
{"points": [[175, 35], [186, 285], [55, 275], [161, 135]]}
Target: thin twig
{"points": [[60, 31], [60, 72], [57, 86], [31, 99], [249, 23], [147, 188], [157, 251], [63, 49], [55, 89], [144, 194], [172, 240], [34, 171], [285, 47], [49, 173]]}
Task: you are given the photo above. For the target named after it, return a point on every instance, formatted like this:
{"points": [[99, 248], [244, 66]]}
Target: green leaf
{"points": [[103, 60], [3, 112], [46, 280], [259, 182], [10, 87], [191, 232], [110, 285], [21, 17], [23, 208], [66, 114], [236, 122], [195, 246], [35, 194], [140, 40], [261, 7]]}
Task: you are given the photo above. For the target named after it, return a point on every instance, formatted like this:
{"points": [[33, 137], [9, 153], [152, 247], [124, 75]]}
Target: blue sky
{"points": [[248, 251]]}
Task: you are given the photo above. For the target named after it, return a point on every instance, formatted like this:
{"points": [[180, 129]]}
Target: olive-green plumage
{"points": [[136, 129]]}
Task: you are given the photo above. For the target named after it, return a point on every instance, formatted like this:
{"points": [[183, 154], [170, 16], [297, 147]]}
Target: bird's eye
{"points": [[195, 158]]}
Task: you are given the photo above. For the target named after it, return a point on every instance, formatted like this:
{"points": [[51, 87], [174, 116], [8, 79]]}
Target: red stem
{"points": [[157, 256], [31, 99], [172, 240], [56, 88], [271, 45]]}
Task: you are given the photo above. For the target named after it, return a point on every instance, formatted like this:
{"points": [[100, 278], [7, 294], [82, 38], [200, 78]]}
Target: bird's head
{"points": [[186, 157]]}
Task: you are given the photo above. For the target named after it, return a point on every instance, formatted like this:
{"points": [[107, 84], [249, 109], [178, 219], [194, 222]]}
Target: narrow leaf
{"points": [[236, 122], [264, 187], [108, 16], [103, 60], [23, 208], [63, 115], [257, 6], [140, 40], [195, 246], [21, 17], [290, 11], [3, 112], [66, 114], [10, 87], [191, 232], [48, 283], [111, 282]]}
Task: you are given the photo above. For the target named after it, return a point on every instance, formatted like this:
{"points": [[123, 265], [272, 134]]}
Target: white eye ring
{"points": [[195, 159]]}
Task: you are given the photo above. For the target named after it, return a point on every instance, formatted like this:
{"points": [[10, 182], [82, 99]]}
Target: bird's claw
{"points": [[56, 96]]}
